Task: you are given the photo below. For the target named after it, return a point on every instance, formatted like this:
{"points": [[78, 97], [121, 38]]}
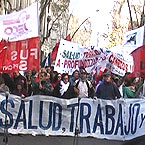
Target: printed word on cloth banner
{"points": [[20, 25], [110, 119], [72, 56], [119, 64], [20, 55]]}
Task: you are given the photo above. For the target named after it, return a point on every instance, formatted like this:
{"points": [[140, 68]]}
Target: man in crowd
{"points": [[83, 86], [107, 89], [43, 87]]}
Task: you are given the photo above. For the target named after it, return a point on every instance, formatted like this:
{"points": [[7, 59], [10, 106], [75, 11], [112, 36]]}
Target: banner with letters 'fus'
{"points": [[20, 55], [45, 115]]}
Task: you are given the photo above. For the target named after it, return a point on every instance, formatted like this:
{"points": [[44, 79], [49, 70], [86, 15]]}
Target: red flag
{"points": [[68, 38], [20, 55], [55, 50], [3, 46]]}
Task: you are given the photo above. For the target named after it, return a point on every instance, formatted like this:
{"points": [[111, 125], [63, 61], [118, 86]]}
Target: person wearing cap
{"points": [[82, 86], [107, 89]]}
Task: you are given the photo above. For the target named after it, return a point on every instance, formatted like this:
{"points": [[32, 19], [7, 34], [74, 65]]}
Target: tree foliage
{"points": [[134, 18]]}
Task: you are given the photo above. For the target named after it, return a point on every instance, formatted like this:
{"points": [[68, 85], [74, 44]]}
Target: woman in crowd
{"points": [[20, 90], [74, 77], [64, 89], [129, 90], [56, 80]]}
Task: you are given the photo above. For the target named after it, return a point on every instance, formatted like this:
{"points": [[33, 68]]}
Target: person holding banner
{"points": [[20, 90], [19, 78], [107, 89], [83, 87]]}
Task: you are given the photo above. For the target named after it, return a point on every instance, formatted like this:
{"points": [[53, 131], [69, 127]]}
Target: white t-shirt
{"points": [[82, 86]]}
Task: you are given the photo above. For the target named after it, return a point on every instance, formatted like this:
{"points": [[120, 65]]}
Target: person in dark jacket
{"points": [[64, 89], [43, 87], [107, 89], [18, 78], [20, 91]]}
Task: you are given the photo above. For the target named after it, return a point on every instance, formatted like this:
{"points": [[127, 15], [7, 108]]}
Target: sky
{"points": [[99, 13]]}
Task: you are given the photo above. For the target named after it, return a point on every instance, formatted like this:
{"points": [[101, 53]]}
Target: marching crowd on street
{"points": [[80, 84]]}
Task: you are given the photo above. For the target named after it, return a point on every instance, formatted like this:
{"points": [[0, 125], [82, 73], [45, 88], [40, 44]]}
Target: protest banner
{"points": [[119, 64], [121, 119], [72, 56], [20, 25], [20, 55]]}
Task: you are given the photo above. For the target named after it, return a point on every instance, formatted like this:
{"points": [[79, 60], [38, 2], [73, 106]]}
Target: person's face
{"points": [[49, 69], [19, 87], [48, 76], [42, 77], [66, 79], [108, 79], [59, 77], [76, 75], [29, 73], [16, 74], [83, 75]]}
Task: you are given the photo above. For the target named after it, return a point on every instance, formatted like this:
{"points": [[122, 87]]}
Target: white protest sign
{"points": [[72, 56], [119, 64], [20, 25]]}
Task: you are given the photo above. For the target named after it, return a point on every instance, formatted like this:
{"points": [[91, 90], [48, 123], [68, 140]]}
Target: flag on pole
{"points": [[55, 50], [20, 55]]}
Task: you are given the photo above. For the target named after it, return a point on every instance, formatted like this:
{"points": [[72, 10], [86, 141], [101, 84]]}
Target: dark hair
{"points": [[34, 72], [45, 74], [1, 80], [65, 74], [129, 81], [55, 79], [75, 72], [107, 74], [83, 70]]}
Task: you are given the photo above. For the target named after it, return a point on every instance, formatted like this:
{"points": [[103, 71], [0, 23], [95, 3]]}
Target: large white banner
{"points": [[20, 25], [44, 115], [72, 56]]}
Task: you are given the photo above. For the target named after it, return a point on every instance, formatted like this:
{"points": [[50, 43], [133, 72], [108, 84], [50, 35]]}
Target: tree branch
{"points": [[130, 15], [79, 27]]}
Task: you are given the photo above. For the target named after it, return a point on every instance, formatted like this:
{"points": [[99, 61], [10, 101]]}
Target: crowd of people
{"points": [[80, 84]]}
